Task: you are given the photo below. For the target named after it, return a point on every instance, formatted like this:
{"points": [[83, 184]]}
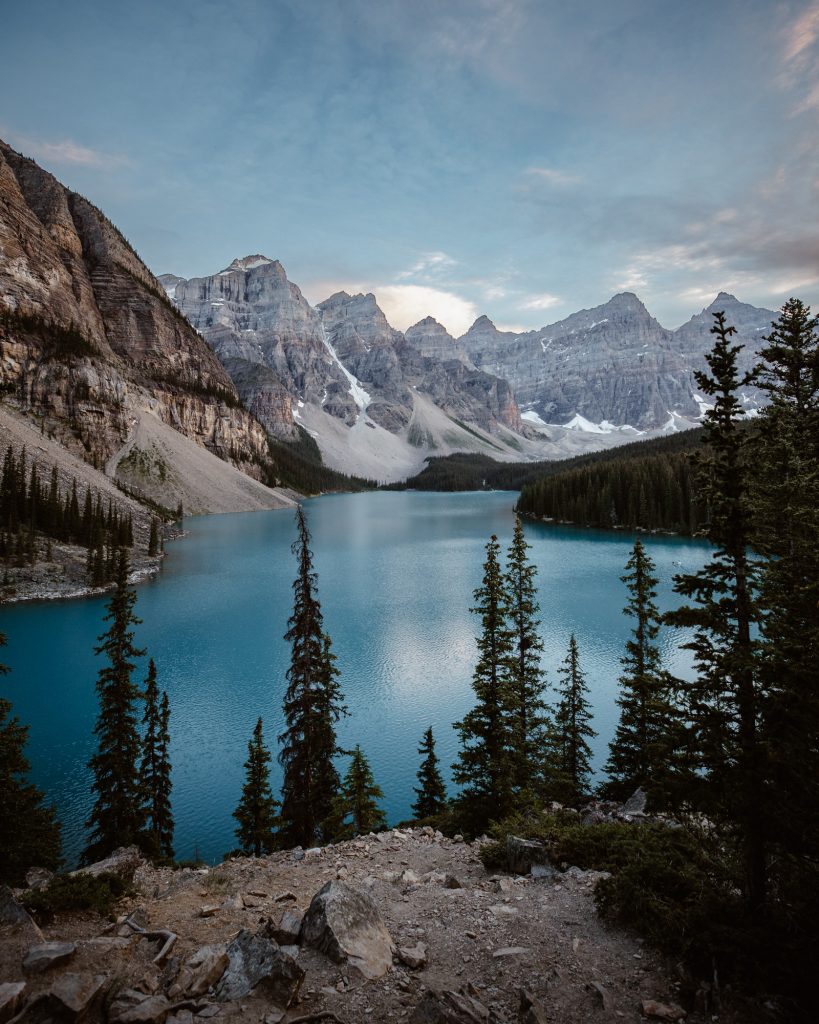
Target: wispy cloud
{"points": [[800, 56], [542, 301], [429, 264], [67, 152], [551, 176], [802, 33]]}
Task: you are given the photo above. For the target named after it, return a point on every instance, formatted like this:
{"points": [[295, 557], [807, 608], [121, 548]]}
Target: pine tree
{"points": [[256, 812], [724, 702], [313, 703], [431, 795], [530, 721], [786, 521], [484, 765], [118, 816], [153, 541], [155, 770], [356, 807], [639, 754], [30, 833], [572, 753]]}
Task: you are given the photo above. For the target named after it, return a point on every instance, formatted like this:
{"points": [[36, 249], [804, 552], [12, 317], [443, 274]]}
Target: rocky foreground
{"points": [[406, 925]]}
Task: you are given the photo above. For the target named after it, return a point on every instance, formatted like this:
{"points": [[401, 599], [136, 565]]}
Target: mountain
{"points": [[614, 364], [93, 350], [376, 404]]}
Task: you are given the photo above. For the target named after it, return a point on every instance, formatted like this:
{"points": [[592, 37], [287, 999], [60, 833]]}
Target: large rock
{"points": [[15, 917], [78, 994], [449, 1007], [11, 996], [288, 931], [122, 862], [521, 854], [345, 924], [151, 1010], [201, 972], [47, 955], [636, 803], [257, 960]]}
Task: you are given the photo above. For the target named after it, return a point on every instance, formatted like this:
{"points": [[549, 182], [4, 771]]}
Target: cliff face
{"points": [[88, 336]]}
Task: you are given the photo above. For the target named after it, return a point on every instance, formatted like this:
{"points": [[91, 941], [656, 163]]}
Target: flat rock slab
{"points": [[11, 996], [78, 993], [511, 951], [344, 923], [662, 1011], [122, 862], [450, 1008], [152, 1010], [48, 954]]}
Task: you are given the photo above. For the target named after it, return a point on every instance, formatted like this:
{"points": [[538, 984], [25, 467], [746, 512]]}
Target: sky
{"points": [[518, 158]]}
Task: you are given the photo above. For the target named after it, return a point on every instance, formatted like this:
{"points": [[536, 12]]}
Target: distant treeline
{"points": [[31, 505], [298, 464]]}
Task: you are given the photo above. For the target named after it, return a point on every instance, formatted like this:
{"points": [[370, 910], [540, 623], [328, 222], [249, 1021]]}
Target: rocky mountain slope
{"points": [[339, 368], [91, 348], [402, 925], [614, 364]]}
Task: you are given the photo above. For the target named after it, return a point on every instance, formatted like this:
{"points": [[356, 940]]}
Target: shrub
{"points": [[67, 893]]}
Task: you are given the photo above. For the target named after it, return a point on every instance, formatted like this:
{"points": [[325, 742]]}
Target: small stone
{"points": [[314, 853], [603, 995], [38, 878], [450, 1008], [415, 957], [234, 903], [543, 872], [530, 1010], [208, 910], [451, 882], [11, 996], [510, 951], [152, 1010], [274, 1017], [48, 954], [457, 838], [505, 885], [211, 1010], [257, 893], [288, 930], [662, 1011], [284, 897], [575, 944]]}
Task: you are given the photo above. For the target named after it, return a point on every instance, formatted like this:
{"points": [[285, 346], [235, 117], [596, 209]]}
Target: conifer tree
{"points": [[355, 809], [431, 795], [530, 721], [786, 520], [118, 815], [572, 753], [153, 540], [30, 833], [256, 812], [724, 702], [484, 765], [640, 751], [313, 703], [155, 770]]}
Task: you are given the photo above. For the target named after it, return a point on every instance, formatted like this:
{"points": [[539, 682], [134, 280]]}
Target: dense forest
{"points": [[298, 464]]}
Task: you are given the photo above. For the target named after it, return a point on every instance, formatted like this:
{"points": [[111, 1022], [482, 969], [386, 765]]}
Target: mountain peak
{"points": [[722, 298], [627, 301], [249, 263]]}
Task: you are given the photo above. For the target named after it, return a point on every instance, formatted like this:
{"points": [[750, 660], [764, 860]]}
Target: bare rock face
{"points": [[345, 924], [11, 998], [87, 332], [122, 862], [256, 959]]}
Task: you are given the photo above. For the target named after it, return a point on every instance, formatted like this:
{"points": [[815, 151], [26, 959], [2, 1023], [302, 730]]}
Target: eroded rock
{"points": [[345, 924], [47, 955], [254, 959]]}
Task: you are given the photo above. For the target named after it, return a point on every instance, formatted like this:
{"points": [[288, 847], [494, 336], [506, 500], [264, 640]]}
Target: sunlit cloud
{"points": [[406, 304], [429, 263], [67, 151], [802, 33], [552, 176], [543, 301]]}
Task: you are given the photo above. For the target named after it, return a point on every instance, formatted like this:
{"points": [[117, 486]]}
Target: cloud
{"points": [[551, 176], [429, 264], [801, 34], [67, 151], [544, 301], [406, 304], [800, 70]]}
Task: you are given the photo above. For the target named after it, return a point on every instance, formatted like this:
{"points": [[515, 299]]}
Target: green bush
{"points": [[67, 893]]}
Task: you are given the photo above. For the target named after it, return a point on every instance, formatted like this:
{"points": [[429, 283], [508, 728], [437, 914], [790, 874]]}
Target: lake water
{"points": [[396, 575]]}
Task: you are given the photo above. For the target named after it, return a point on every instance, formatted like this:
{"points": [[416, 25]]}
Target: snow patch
{"points": [[578, 422], [532, 417], [701, 403], [360, 396]]}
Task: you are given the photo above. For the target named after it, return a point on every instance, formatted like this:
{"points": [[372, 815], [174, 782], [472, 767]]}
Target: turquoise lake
{"points": [[396, 575]]}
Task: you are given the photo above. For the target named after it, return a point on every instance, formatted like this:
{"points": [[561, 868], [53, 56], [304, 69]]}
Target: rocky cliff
{"points": [[90, 343], [341, 366], [614, 364]]}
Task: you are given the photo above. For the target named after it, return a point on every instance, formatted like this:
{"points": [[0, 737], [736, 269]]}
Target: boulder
{"points": [[78, 994], [38, 878], [152, 1010], [122, 862], [636, 803], [201, 972], [344, 923], [521, 854], [14, 916], [544, 872], [451, 882], [530, 1010], [48, 954], [11, 996], [288, 930], [255, 959], [449, 1007]]}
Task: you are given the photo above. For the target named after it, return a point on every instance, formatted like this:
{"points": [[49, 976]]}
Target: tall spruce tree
{"points": [[484, 767], [530, 721], [155, 770], [30, 833], [257, 809], [118, 815], [313, 703], [724, 703], [572, 730], [356, 809], [641, 750], [431, 794], [786, 511]]}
